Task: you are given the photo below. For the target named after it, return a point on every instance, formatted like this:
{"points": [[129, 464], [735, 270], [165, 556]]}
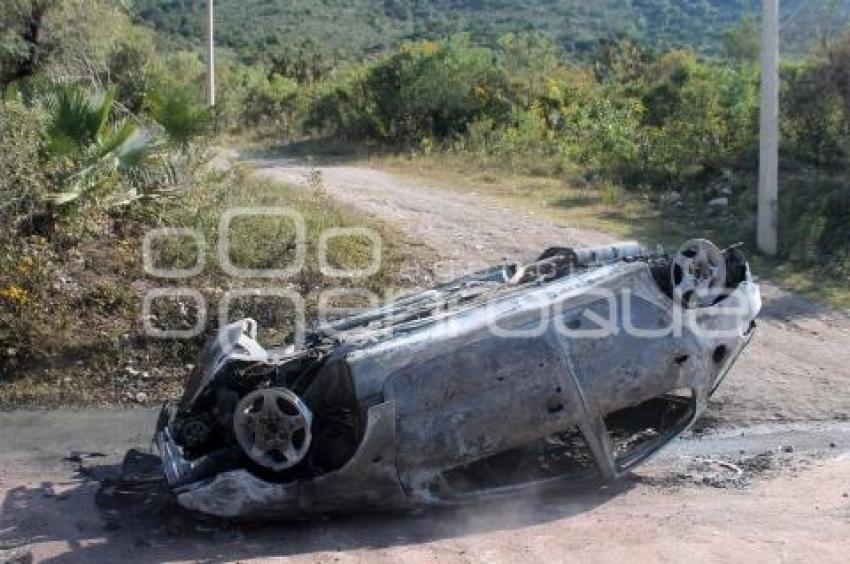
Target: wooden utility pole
{"points": [[210, 56], [769, 134]]}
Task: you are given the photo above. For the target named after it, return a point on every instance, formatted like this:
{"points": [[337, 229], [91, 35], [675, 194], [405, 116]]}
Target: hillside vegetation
{"points": [[262, 30], [103, 138]]}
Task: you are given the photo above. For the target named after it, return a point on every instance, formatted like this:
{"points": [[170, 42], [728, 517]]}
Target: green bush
{"points": [[422, 90], [631, 116], [435, 90], [342, 105], [817, 133]]}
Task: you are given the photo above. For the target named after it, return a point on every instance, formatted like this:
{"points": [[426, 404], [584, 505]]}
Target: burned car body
{"points": [[581, 364]]}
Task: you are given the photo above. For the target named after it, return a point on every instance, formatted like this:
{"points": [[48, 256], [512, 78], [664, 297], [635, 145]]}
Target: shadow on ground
{"points": [[578, 200], [69, 524], [326, 151]]}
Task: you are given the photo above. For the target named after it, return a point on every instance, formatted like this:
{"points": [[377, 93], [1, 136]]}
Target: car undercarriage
{"points": [[577, 366]]}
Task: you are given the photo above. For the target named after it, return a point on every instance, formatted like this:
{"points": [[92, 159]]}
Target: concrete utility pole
{"points": [[769, 134], [210, 56]]}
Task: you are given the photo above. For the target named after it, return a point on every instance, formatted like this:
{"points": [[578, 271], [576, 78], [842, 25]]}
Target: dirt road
{"points": [[689, 503], [768, 483]]}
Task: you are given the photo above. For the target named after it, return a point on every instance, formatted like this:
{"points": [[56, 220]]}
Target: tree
{"points": [[84, 34], [620, 60], [436, 89], [742, 44], [86, 41], [530, 58], [23, 45]]}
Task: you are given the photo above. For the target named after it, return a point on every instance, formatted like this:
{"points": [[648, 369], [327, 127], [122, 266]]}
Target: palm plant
{"points": [[176, 109], [94, 146]]}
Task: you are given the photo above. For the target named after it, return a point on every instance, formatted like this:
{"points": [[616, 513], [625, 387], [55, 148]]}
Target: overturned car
{"points": [[577, 366]]}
